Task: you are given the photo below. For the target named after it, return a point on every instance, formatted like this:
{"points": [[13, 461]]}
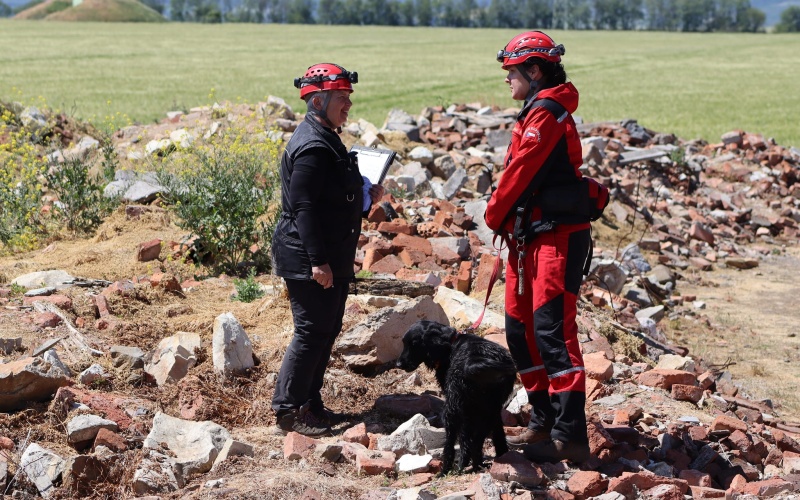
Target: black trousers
{"points": [[317, 315]]}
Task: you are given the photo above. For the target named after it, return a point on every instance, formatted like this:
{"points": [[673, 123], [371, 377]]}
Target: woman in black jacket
{"points": [[322, 201]]}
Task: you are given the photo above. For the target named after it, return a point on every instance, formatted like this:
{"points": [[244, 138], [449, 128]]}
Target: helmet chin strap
{"points": [[533, 85], [322, 113]]}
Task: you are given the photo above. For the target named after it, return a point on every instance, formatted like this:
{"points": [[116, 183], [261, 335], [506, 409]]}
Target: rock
{"points": [[233, 448], [149, 250], [665, 379], [43, 468], [233, 351], [656, 313], [585, 484], [173, 357], [455, 183], [297, 446], [413, 463], [374, 463], [28, 379], [675, 362], [407, 405], [82, 428], [610, 274], [157, 473], [95, 373], [129, 358], [416, 436], [56, 279], [377, 339], [464, 310], [51, 356], [598, 367], [83, 472], [512, 466], [741, 262], [421, 154], [196, 444], [690, 393]]}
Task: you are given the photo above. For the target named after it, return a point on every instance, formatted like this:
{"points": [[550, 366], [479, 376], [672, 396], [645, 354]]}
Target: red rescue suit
{"points": [[541, 330]]}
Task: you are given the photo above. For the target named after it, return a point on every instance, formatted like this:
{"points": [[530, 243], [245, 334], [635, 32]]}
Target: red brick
{"points": [[724, 422], [464, 277], [600, 344], [681, 392], [706, 492], [411, 258], [297, 446], [397, 226], [628, 483], [374, 462], [791, 462], [485, 269], [695, 477], [784, 442], [406, 241], [443, 218], [387, 265], [664, 378], [61, 301], [599, 438], [46, 320], [149, 250], [110, 440], [166, 281], [377, 214], [664, 492], [357, 434], [698, 433], [767, 487], [123, 288], [371, 256], [585, 484], [447, 257], [738, 483], [598, 367], [678, 459], [6, 443], [512, 466]]}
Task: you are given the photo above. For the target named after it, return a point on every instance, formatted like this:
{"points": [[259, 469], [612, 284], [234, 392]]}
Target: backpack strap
{"points": [[558, 111]]}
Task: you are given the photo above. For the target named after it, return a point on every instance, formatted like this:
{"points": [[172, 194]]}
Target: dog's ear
{"points": [[438, 340]]}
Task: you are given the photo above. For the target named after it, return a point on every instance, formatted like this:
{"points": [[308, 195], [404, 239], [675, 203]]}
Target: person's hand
{"points": [[322, 275], [376, 193]]}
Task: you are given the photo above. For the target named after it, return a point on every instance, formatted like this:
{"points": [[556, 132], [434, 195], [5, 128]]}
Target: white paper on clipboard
{"points": [[373, 163]]}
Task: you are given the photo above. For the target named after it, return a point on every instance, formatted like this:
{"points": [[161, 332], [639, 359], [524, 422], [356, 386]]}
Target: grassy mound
{"points": [[119, 11]]}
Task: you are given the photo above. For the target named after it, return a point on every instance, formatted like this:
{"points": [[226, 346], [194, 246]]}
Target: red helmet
{"points": [[325, 76], [530, 44]]}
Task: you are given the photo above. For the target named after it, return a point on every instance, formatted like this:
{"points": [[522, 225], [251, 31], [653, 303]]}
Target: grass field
{"points": [[693, 85]]}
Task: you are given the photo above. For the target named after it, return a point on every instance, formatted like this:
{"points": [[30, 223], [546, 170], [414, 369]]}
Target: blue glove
{"points": [[367, 197]]}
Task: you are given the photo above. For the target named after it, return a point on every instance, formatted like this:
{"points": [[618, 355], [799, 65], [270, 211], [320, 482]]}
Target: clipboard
{"points": [[373, 163]]}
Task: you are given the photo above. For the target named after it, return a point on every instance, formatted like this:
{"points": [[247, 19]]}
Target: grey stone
{"points": [[633, 259], [173, 358], [661, 274], [421, 154], [7, 346], [455, 183], [85, 427], [412, 463], [498, 139], [51, 356], [634, 156], [656, 313], [55, 279], [612, 400], [610, 273], [40, 292], [411, 131], [32, 118], [233, 448], [127, 357], [519, 400], [92, 374], [675, 362], [443, 167], [196, 444], [454, 244], [43, 468], [232, 349], [416, 435], [157, 473], [638, 295], [462, 309], [378, 338]]}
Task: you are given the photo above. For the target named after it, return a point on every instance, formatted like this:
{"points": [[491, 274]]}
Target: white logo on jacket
{"points": [[533, 133]]}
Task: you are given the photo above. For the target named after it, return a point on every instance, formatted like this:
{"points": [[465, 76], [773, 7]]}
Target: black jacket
{"points": [[321, 205]]}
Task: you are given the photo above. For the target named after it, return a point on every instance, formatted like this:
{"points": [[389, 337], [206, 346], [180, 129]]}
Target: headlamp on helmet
{"points": [[528, 45], [325, 76]]}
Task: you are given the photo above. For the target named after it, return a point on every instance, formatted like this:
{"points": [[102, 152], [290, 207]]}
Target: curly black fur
{"points": [[476, 377]]}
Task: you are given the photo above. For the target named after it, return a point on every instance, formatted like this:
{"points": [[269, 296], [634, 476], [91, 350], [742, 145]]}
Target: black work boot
{"points": [[302, 421]]}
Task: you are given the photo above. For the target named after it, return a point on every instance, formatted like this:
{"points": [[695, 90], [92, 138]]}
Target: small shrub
{"points": [[364, 274], [17, 289], [81, 204], [223, 192], [248, 289]]}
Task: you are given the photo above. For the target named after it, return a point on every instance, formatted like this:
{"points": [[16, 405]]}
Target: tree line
{"points": [[657, 15], [660, 15]]}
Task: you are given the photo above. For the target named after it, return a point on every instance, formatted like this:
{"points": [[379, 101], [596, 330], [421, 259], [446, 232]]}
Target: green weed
{"points": [[81, 205], [248, 289]]}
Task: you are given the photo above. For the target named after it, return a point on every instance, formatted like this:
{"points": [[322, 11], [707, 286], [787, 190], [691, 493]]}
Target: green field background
{"points": [[692, 85]]}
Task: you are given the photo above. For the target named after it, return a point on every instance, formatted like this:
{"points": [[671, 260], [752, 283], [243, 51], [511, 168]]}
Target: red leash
{"points": [[495, 274]]}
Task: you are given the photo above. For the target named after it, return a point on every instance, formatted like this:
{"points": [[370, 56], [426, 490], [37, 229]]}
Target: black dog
{"points": [[476, 377]]}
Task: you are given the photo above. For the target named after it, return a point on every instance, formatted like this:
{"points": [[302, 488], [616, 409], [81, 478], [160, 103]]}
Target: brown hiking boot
{"points": [[527, 436], [555, 451], [302, 422]]}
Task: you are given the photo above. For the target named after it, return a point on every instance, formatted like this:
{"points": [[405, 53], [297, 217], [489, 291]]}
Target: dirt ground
{"points": [[758, 322]]}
